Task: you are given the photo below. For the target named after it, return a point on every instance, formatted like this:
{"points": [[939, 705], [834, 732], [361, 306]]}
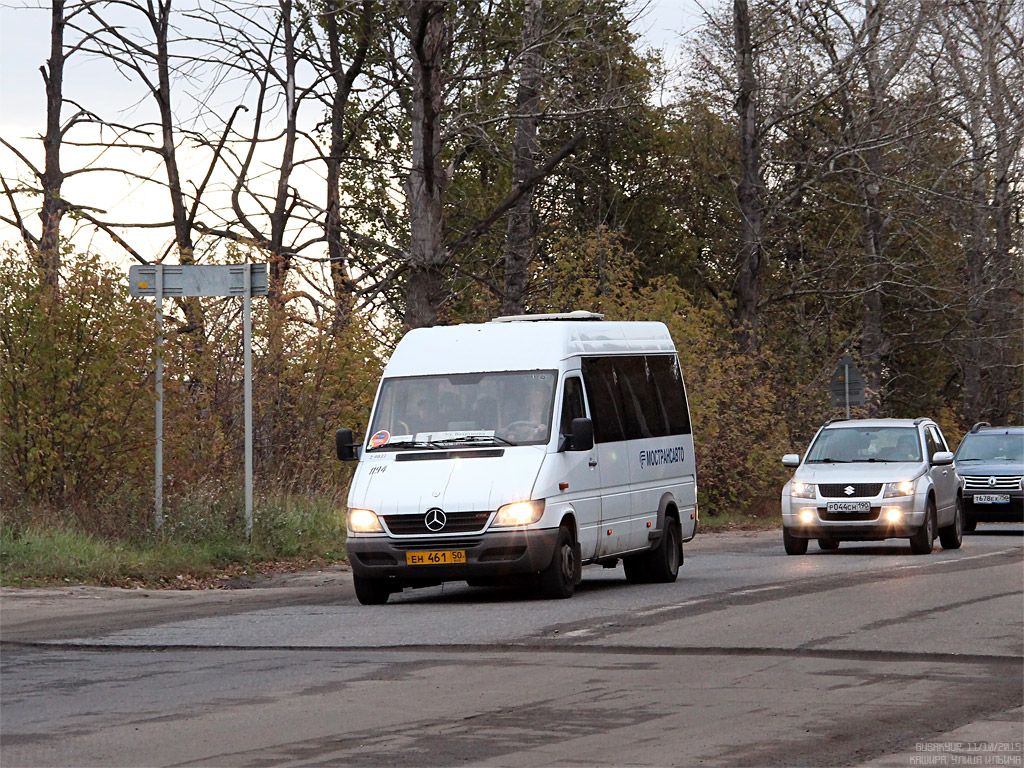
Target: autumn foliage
{"points": [[77, 397]]}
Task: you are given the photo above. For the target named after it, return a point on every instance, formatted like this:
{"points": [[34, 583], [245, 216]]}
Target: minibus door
{"points": [[579, 470]]}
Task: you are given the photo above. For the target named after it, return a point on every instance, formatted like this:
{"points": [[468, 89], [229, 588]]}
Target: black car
{"points": [[990, 465]]}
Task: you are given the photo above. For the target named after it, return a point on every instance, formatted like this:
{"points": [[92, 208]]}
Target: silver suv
{"points": [[873, 479]]}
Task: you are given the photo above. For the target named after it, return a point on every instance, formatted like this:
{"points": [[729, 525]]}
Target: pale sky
{"points": [[24, 48]]}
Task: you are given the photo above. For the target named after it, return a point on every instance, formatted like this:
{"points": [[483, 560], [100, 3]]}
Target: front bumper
{"points": [[490, 555], [995, 513], [862, 526]]}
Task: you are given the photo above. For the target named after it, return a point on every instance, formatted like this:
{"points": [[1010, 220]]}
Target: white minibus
{"points": [[519, 450]]}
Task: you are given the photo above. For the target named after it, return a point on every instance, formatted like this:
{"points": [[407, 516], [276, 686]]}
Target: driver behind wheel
{"points": [[530, 422]]}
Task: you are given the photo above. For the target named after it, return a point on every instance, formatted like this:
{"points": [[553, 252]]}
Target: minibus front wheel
{"points": [[558, 580], [371, 591]]}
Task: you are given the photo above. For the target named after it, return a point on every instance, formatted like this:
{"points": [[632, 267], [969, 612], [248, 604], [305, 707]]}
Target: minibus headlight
{"points": [[802, 490], [520, 513], [902, 488], [363, 521]]}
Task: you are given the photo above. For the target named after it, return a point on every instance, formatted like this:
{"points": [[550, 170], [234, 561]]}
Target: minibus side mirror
{"points": [[343, 444], [582, 437], [791, 460]]}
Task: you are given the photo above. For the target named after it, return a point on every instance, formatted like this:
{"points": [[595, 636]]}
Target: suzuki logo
{"points": [[435, 520], [848, 490]]}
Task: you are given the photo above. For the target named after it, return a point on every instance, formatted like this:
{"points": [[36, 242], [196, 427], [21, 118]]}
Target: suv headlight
{"points": [[364, 521], [902, 488], [519, 513], [803, 490]]}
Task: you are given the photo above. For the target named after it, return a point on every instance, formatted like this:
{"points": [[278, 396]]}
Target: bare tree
{"points": [[50, 179], [343, 81], [520, 231], [980, 63], [428, 38], [750, 189]]}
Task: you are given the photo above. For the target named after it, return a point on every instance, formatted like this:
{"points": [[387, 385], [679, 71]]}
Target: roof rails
{"points": [[579, 314], [979, 425], [832, 421]]}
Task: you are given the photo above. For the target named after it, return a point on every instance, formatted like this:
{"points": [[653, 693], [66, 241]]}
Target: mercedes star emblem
{"points": [[435, 520]]}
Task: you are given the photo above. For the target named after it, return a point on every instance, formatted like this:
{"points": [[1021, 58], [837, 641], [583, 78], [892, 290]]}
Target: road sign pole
{"points": [[247, 365], [159, 493], [158, 280], [846, 378]]}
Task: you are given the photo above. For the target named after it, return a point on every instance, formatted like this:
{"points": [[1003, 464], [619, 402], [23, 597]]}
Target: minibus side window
{"points": [[599, 378], [572, 403], [669, 383], [643, 395]]}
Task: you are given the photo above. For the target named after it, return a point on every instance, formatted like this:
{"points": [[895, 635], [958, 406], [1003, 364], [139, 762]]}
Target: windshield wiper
{"points": [[475, 438], [407, 444], [825, 461]]}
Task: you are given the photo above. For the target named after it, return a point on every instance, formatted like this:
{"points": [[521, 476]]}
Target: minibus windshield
{"points": [[507, 408]]}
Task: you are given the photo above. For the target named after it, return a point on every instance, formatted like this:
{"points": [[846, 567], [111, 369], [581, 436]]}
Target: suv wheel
{"points": [[794, 545], [922, 542], [952, 536], [970, 524]]}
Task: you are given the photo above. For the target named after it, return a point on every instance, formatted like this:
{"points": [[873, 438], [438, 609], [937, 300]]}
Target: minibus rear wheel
{"points": [[558, 580], [371, 591], [664, 560]]}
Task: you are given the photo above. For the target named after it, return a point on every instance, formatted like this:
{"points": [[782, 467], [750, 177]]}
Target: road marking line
{"points": [[757, 589], [664, 608], [956, 559], [577, 633]]}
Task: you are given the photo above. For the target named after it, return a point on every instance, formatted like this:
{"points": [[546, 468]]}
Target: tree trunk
{"points": [[873, 344], [425, 186], [976, 255], [519, 236], [160, 19], [53, 206], [341, 280], [750, 190]]}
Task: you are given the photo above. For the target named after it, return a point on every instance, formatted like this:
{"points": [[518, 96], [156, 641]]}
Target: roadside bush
{"points": [[75, 389], [76, 393]]}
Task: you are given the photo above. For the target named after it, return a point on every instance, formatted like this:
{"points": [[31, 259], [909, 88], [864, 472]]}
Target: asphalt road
{"points": [[864, 656]]}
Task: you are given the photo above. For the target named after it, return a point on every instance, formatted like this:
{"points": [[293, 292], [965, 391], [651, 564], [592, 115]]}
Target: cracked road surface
{"points": [[864, 656]]}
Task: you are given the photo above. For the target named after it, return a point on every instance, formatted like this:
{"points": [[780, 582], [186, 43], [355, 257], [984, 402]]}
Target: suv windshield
{"points": [[1002, 448], [509, 408], [850, 444]]}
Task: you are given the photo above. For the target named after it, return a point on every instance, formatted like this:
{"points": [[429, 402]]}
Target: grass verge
{"points": [[193, 550], [733, 521]]}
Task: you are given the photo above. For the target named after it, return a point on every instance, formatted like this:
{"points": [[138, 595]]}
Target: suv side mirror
{"points": [[582, 437], [940, 458], [344, 446], [791, 460]]}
